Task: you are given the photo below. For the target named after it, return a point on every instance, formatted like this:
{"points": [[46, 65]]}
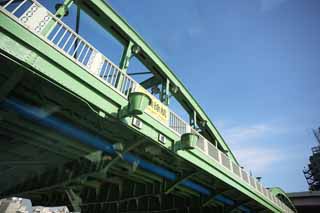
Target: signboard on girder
{"points": [[156, 109]]}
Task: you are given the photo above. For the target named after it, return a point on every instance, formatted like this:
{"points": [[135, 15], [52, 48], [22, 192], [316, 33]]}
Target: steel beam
{"points": [[179, 180], [74, 199], [237, 205], [152, 81], [10, 84], [212, 197], [128, 148]]}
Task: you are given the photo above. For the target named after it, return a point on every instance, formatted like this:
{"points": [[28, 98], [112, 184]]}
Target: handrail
{"points": [[36, 17]]}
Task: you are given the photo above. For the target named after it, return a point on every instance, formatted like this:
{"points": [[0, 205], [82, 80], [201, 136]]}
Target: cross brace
{"points": [[237, 205], [180, 180], [212, 197]]}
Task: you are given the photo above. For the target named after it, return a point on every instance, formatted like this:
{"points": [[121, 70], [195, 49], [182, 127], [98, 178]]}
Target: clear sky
{"points": [[253, 65]]}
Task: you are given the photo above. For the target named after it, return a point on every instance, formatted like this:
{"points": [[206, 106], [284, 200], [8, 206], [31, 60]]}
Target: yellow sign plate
{"points": [[156, 109]]}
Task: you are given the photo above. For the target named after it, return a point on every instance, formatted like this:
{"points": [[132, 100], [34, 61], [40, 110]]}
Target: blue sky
{"points": [[253, 65]]}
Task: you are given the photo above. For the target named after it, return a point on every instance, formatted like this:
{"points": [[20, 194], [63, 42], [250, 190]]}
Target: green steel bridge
{"points": [[76, 129]]}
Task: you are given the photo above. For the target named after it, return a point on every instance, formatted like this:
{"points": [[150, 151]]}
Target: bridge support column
{"points": [[124, 62], [126, 56], [74, 199], [193, 119], [165, 92]]}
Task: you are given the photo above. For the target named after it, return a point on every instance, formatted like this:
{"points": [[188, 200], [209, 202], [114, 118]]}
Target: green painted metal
{"points": [[147, 131], [126, 56], [61, 71], [108, 16], [276, 191], [165, 92], [40, 58], [211, 199], [179, 180], [189, 141], [124, 63], [152, 81], [46, 66], [75, 199], [218, 171], [237, 205], [62, 10], [138, 102], [127, 149]]}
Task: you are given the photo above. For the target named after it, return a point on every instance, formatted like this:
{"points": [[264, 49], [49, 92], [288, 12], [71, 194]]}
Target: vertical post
{"points": [[193, 119], [124, 62], [216, 143], [77, 28], [126, 55], [74, 199], [165, 92], [167, 102], [62, 11]]}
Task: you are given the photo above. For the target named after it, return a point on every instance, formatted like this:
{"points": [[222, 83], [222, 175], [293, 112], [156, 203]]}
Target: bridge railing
{"points": [[222, 159], [178, 124], [40, 21], [50, 28]]}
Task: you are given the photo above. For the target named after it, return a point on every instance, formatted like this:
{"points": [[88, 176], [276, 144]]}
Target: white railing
{"points": [[222, 159], [178, 124], [51, 29], [36, 18]]}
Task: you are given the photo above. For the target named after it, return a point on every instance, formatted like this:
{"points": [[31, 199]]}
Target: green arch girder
{"points": [[278, 192], [120, 29]]}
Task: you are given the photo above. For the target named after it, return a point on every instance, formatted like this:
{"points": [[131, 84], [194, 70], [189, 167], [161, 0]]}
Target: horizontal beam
{"points": [[237, 205], [148, 83], [179, 180], [128, 148], [212, 197]]}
